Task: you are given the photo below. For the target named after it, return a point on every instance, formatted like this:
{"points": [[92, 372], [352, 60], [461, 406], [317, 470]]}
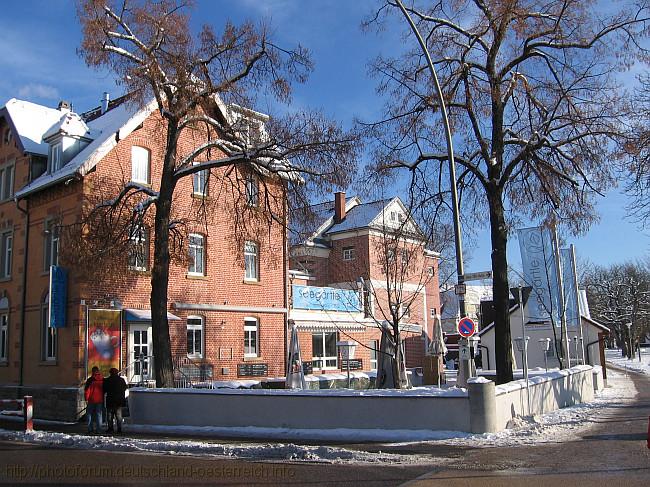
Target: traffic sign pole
{"points": [[466, 328]]}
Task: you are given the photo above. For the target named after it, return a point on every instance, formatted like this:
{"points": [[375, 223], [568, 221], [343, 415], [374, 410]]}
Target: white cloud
{"points": [[36, 90]]}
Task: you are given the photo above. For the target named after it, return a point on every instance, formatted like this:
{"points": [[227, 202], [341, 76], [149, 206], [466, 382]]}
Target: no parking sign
{"points": [[466, 327]]}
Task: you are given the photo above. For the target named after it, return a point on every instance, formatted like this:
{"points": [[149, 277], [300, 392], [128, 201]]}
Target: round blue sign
{"points": [[466, 327]]}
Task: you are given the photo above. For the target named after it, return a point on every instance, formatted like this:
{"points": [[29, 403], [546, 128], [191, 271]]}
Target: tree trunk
{"points": [[501, 292], [160, 271]]}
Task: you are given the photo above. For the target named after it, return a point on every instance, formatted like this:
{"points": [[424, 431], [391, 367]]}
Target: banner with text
{"points": [[570, 286], [58, 298], [325, 299], [540, 272]]}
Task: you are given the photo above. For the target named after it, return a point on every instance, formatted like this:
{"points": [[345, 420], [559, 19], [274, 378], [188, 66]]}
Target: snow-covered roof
{"points": [[69, 124], [359, 216], [107, 130], [30, 122]]}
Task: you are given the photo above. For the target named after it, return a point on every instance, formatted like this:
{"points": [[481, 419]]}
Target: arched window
{"points": [[140, 160]]}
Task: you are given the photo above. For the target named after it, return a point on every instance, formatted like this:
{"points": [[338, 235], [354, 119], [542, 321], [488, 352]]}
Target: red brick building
{"points": [[227, 303], [369, 249]]}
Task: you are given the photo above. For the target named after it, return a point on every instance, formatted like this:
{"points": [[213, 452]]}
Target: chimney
{"points": [[64, 106], [339, 206], [106, 98]]}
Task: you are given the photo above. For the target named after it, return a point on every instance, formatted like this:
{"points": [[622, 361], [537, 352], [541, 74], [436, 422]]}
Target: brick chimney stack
{"points": [[339, 206]]}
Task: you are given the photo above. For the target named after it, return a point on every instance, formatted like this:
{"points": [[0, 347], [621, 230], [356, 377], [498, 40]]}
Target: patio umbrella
{"points": [[437, 348], [295, 373]]}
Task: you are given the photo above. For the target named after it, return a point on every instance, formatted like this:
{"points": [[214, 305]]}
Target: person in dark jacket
{"points": [[94, 393], [114, 388]]}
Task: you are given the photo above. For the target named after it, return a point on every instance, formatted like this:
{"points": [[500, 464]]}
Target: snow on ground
{"points": [[561, 425], [614, 356]]}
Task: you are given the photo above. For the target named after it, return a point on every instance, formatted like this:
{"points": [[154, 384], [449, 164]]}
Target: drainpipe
{"points": [[23, 298], [285, 271]]}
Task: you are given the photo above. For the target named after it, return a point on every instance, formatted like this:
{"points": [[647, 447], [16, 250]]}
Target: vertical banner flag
{"points": [[104, 340], [58, 297], [570, 286], [540, 272]]}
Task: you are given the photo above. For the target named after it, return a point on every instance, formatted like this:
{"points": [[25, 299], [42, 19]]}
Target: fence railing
{"points": [[190, 372]]}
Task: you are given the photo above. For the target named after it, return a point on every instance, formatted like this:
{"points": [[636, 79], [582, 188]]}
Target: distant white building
{"points": [[475, 294]]}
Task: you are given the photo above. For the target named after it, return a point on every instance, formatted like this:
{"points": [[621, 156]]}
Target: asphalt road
{"points": [[613, 452]]}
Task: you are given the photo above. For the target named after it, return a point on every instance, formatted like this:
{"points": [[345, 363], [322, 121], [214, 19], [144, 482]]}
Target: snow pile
{"points": [[262, 451], [643, 366]]}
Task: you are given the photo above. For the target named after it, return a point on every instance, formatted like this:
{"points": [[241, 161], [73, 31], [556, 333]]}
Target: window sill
{"points": [[254, 282], [198, 277], [4, 363], [144, 272], [142, 183], [48, 363], [252, 359], [195, 357], [200, 196], [5, 279]]}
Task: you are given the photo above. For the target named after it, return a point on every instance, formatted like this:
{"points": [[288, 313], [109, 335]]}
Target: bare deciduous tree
{"points": [[200, 84], [534, 105]]}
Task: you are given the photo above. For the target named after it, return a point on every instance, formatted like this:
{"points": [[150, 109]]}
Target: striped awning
{"points": [[329, 326]]}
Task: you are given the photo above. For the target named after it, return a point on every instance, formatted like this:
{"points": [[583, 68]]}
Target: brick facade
{"points": [[221, 297]]}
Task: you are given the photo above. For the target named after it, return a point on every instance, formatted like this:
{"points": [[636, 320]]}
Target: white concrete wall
{"points": [[288, 409], [374, 409], [556, 390]]}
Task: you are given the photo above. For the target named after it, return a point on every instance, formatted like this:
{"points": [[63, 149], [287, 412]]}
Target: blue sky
{"points": [[39, 38]]}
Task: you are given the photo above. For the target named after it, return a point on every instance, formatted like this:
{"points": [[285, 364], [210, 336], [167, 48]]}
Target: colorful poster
{"points": [[540, 272], [104, 343]]}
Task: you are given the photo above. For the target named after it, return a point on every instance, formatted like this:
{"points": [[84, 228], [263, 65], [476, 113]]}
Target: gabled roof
{"points": [[106, 131], [358, 216], [30, 122]]}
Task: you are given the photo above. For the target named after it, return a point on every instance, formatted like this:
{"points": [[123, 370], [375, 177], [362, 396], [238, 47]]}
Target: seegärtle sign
{"points": [[325, 299]]}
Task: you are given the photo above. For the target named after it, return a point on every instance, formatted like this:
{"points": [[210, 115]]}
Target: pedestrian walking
{"points": [[94, 394], [114, 388]]}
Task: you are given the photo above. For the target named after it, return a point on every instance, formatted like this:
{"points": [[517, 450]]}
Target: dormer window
{"points": [[56, 157]]}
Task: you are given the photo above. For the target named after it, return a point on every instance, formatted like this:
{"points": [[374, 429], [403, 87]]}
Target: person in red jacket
{"points": [[94, 393]]}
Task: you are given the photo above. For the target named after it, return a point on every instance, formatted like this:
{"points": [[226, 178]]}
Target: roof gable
{"points": [[30, 122]]}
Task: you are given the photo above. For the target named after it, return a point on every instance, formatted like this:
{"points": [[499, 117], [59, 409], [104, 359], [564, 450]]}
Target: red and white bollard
{"points": [[28, 413]]}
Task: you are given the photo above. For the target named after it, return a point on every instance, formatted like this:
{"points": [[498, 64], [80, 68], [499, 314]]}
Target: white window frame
{"points": [[138, 173], [7, 187], [49, 334], [139, 249], [251, 261], [4, 337], [373, 345], [252, 186], [349, 253], [193, 328], [200, 181], [6, 253], [51, 242], [251, 333], [325, 358], [193, 250], [56, 157]]}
